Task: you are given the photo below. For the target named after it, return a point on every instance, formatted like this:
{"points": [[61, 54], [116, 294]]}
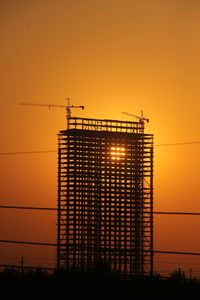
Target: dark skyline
{"points": [[111, 56]]}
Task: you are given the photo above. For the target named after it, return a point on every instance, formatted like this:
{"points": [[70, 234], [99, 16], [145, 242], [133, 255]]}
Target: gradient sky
{"points": [[111, 56]]}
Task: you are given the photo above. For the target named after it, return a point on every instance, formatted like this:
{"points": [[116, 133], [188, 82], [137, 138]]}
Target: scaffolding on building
{"points": [[105, 197]]}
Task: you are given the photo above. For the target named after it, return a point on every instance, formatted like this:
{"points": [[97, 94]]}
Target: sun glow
{"points": [[117, 153]]}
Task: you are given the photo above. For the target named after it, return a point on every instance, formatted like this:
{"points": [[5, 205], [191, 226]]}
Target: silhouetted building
{"points": [[105, 196]]}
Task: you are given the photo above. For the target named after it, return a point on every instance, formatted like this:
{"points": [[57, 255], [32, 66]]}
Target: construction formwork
{"points": [[105, 197]]}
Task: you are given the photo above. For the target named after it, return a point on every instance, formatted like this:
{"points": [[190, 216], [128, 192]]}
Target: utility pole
{"points": [[190, 271], [21, 261]]}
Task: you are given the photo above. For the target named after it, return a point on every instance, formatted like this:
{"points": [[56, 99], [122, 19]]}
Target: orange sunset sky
{"points": [[111, 56]]}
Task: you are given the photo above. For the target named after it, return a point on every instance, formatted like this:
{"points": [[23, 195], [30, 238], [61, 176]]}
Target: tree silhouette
{"points": [[178, 275]]}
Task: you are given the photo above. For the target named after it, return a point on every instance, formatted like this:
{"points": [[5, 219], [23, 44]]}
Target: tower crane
{"points": [[67, 107], [141, 118]]}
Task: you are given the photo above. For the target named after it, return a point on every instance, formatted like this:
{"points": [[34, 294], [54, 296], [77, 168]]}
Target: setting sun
{"points": [[117, 153]]}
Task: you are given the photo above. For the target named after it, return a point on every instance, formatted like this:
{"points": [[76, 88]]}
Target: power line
{"points": [[28, 243], [54, 245], [54, 269], [175, 262], [55, 209], [28, 267], [176, 252], [27, 152], [176, 213], [53, 151], [177, 144], [28, 207]]}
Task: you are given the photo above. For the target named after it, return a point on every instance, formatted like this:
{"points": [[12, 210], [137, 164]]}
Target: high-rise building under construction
{"points": [[105, 196]]}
